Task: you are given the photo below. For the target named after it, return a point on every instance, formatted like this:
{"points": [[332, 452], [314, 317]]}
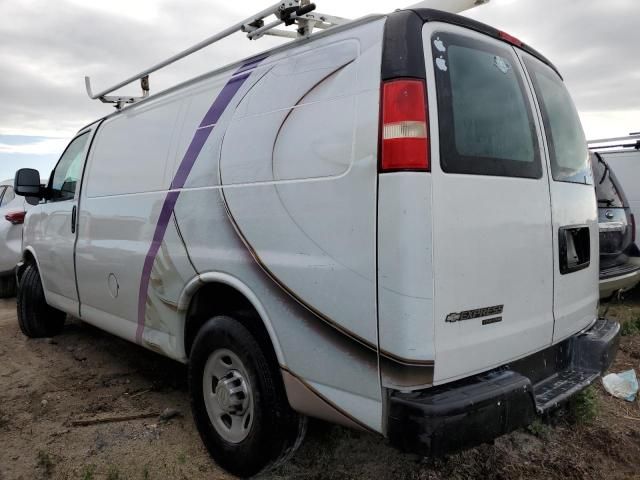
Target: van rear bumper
{"points": [[619, 278], [478, 409]]}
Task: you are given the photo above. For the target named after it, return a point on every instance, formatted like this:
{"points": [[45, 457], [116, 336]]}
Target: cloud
{"points": [[46, 50], [37, 146], [591, 42]]}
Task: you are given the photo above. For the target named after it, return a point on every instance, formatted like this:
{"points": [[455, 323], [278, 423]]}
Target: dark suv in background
{"points": [[619, 255]]}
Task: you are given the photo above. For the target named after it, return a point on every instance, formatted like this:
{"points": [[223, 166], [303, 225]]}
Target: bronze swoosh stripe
{"points": [[292, 294], [406, 361], [311, 309], [329, 402]]}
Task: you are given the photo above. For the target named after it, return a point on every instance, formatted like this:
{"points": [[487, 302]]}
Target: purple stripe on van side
{"points": [[195, 147], [209, 120], [251, 64]]}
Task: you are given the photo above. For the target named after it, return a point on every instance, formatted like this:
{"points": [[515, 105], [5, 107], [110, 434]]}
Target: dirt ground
{"points": [[48, 387]]}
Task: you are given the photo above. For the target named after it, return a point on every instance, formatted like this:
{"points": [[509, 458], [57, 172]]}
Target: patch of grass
{"points": [[45, 463], [584, 407], [630, 327], [182, 458], [539, 429], [113, 474], [88, 472]]}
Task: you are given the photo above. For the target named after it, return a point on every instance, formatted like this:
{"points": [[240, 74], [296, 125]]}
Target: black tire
{"points": [[35, 317], [8, 286], [276, 430]]}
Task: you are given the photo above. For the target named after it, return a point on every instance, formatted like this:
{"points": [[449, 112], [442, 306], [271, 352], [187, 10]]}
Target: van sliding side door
{"points": [[54, 240]]}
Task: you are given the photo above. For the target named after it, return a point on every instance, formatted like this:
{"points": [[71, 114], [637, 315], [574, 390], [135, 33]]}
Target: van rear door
{"points": [[492, 239], [573, 203]]}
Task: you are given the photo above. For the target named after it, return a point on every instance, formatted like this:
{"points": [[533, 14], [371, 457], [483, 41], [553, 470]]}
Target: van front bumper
{"points": [[475, 410]]}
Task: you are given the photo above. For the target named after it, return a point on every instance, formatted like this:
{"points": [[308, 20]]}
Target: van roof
{"points": [[408, 39], [432, 15]]}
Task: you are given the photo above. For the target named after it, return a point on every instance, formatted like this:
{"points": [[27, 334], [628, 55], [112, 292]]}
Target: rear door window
{"points": [[608, 192], [485, 120], [567, 145]]}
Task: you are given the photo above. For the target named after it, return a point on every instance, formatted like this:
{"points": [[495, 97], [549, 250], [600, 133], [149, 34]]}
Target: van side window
{"points": [[567, 145], [485, 120], [8, 196], [69, 170]]}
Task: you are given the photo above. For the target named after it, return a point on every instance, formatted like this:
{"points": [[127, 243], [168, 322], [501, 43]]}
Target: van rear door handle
{"points": [[574, 248], [73, 220]]}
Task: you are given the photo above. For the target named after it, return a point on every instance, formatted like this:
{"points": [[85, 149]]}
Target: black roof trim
{"points": [[431, 15], [402, 52]]}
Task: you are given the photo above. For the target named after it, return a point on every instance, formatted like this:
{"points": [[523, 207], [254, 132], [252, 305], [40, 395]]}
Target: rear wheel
{"points": [[238, 400], [7, 286], [35, 317]]}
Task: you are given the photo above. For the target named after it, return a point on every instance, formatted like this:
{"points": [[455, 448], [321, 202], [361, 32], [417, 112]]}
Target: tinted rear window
{"points": [[608, 192], [485, 121], [567, 145]]}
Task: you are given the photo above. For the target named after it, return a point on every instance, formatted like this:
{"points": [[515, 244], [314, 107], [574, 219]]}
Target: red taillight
{"points": [[16, 218], [510, 39], [633, 228], [403, 132]]}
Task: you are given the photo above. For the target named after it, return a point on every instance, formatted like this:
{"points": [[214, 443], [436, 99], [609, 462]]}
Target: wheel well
{"points": [[28, 259], [215, 299]]}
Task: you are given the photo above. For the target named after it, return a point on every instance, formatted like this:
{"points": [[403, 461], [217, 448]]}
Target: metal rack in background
{"points": [[632, 141]]}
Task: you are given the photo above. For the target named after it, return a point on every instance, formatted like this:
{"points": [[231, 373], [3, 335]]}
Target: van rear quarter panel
{"points": [[280, 194]]}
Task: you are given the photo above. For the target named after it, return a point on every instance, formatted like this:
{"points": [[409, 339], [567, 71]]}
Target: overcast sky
{"points": [[47, 47]]}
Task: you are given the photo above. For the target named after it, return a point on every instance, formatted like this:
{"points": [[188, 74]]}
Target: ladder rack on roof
{"points": [[288, 12]]}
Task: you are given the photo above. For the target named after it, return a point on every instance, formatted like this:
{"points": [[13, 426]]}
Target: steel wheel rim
{"points": [[228, 396]]}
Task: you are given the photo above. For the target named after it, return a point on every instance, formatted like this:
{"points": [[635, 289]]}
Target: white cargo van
{"points": [[389, 225]]}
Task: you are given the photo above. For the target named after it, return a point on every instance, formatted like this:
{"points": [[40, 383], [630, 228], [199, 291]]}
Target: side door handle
{"points": [[73, 220]]}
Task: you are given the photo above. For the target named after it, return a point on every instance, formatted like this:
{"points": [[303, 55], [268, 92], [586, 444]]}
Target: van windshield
{"points": [[567, 144]]}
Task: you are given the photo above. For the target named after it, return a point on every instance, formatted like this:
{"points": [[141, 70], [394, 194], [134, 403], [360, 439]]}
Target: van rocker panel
{"points": [[478, 409]]}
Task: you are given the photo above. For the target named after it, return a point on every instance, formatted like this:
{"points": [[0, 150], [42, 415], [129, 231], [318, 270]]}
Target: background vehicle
{"points": [[622, 154], [12, 211], [619, 255], [360, 226]]}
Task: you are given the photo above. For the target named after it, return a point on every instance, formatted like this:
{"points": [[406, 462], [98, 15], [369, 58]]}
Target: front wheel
{"points": [[238, 400], [35, 317]]}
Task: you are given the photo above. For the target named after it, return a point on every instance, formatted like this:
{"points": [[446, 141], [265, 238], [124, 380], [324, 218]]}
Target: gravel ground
{"points": [[49, 388]]}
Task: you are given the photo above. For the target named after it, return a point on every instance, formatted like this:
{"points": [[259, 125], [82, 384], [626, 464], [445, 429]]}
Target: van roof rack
{"points": [[289, 12]]}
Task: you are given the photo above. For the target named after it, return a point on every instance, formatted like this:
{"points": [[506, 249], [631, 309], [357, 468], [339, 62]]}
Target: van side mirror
{"points": [[27, 184]]}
